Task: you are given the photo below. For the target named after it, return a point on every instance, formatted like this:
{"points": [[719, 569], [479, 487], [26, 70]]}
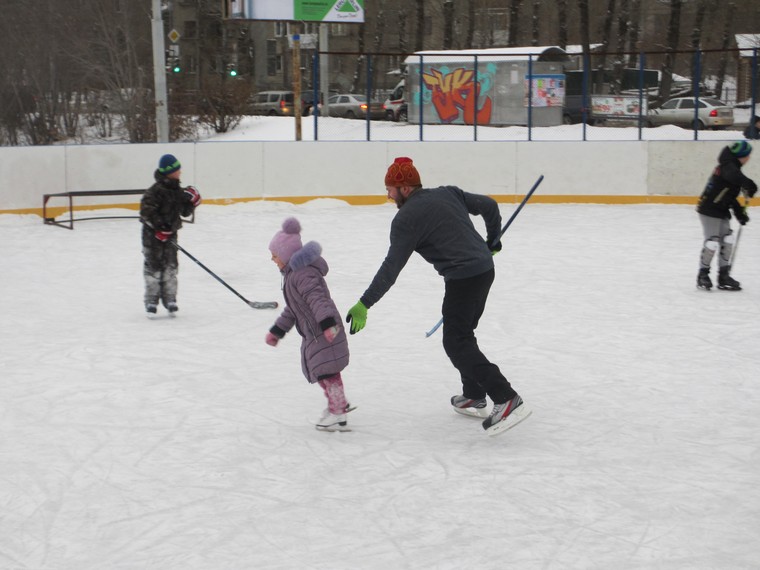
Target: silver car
{"points": [[354, 106], [712, 114]]}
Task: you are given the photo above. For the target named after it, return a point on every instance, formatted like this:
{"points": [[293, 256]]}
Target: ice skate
{"points": [[474, 408], [333, 422], [726, 282], [172, 307], [506, 416], [703, 280], [150, 310]]}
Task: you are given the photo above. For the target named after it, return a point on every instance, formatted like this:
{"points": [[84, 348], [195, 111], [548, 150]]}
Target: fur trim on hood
{"points": [[305, 256]]}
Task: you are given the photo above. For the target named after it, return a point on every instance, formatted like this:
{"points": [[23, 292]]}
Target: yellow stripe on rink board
{"points": [[374, 200]]}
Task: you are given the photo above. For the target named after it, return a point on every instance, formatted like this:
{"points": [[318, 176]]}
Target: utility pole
{"points": [[159, 74], [297, 77], [324, 69]]}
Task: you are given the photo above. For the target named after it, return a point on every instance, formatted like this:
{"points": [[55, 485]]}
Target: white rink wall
{"points": [[611, 171]]}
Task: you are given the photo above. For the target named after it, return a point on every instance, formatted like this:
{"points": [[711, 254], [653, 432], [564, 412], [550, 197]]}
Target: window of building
{"points": [[339, 29], [274, 61], [191, 30]]}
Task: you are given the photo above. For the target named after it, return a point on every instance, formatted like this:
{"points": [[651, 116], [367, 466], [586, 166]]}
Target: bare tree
{"points": [[419, 36], [634, 26], [674, 32], [606, 32], [470, 37], [726, 42], [696, 38], [585, 27], [514, 22], [448, 24], [536, 22], [403, 44], [562, 32]]}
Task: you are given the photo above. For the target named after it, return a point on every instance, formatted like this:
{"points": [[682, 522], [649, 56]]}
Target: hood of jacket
{"points": [[727, 156], [309, 254]]}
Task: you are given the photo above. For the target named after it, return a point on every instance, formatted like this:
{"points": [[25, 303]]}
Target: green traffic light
{"points": [[176, 69], [233, 72]]}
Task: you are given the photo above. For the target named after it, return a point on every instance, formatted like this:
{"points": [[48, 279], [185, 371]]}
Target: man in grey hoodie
{"points": [[436, 223]]}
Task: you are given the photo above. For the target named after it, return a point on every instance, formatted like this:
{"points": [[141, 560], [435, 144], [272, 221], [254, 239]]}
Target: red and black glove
{"points": [[194, 195]]}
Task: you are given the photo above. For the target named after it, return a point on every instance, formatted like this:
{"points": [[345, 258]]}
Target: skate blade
{"points": [[333, 428], [519, 415], [481, 413]]}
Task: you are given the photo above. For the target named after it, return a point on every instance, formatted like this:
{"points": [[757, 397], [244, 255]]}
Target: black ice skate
{"points": [[726, 282], [703, 280]]}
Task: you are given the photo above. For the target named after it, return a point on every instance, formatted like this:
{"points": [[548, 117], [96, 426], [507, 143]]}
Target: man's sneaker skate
{"points": [[505, 416], [333, 422], [474, 408], [726, 282], [703, 280], [150, 310], [172, 307]]}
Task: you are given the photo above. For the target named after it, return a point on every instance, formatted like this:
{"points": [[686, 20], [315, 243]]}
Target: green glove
{"points": [[357, 316]]}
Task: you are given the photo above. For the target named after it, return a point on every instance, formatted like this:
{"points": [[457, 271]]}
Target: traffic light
{"points": [[176, 68], [233, 72]]}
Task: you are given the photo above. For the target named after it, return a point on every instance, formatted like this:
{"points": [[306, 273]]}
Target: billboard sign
{"points": [[341, 11]]}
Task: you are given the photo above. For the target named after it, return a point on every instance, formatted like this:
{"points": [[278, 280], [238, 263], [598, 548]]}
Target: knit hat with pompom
{"points": [[287, 241]]}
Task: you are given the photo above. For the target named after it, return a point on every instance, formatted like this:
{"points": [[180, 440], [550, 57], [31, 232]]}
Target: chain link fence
{"points": [[519, 94]]}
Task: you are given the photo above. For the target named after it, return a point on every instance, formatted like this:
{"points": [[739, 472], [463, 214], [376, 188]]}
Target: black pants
{"points": [[463, 305], [160, 268]]}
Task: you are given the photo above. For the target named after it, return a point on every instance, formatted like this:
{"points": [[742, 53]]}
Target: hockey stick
{"points": [[498, 238], [252, 304], [738, 235]]}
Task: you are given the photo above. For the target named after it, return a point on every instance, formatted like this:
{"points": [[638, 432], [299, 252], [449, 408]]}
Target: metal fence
{"points": [[519, 94]]}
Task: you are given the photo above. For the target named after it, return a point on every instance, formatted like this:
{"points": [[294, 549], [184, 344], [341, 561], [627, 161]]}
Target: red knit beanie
{"points": [[402, 173]]}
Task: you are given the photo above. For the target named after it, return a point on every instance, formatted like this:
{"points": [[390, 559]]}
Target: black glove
{"points": [[741, 215], [751, 188], [494, 247]]}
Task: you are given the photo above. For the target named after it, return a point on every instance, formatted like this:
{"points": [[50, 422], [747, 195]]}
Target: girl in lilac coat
{"points": [[309, 307]]}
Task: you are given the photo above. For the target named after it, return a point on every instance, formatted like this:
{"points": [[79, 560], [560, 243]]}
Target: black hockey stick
{"points": [[738, 235], [252, 304], [498, 238]]}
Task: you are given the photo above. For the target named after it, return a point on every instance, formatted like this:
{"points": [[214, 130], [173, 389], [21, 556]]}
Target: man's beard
{"points": [[400, 201]]}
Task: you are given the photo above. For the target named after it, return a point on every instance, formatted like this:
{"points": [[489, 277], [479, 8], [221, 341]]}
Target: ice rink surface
{"points": [[188, 443]]}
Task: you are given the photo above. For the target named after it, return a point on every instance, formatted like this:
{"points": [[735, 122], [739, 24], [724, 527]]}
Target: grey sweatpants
{"points": [[718, 237]]}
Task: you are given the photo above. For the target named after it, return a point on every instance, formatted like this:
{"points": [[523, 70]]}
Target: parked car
{"points": [[280, 103], [394, 102], [354, 106], [712, 113], [273, 103]]}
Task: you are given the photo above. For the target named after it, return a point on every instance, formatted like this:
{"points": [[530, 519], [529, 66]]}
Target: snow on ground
{"points": [[188, 443], [327, 129]]}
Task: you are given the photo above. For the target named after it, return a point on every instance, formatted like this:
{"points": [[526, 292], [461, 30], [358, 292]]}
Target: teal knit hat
{"points": [[168, 164], [740, 149]]}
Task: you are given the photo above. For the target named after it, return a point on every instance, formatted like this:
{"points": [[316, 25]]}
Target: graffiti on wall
{"points": [[455, 93]]}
